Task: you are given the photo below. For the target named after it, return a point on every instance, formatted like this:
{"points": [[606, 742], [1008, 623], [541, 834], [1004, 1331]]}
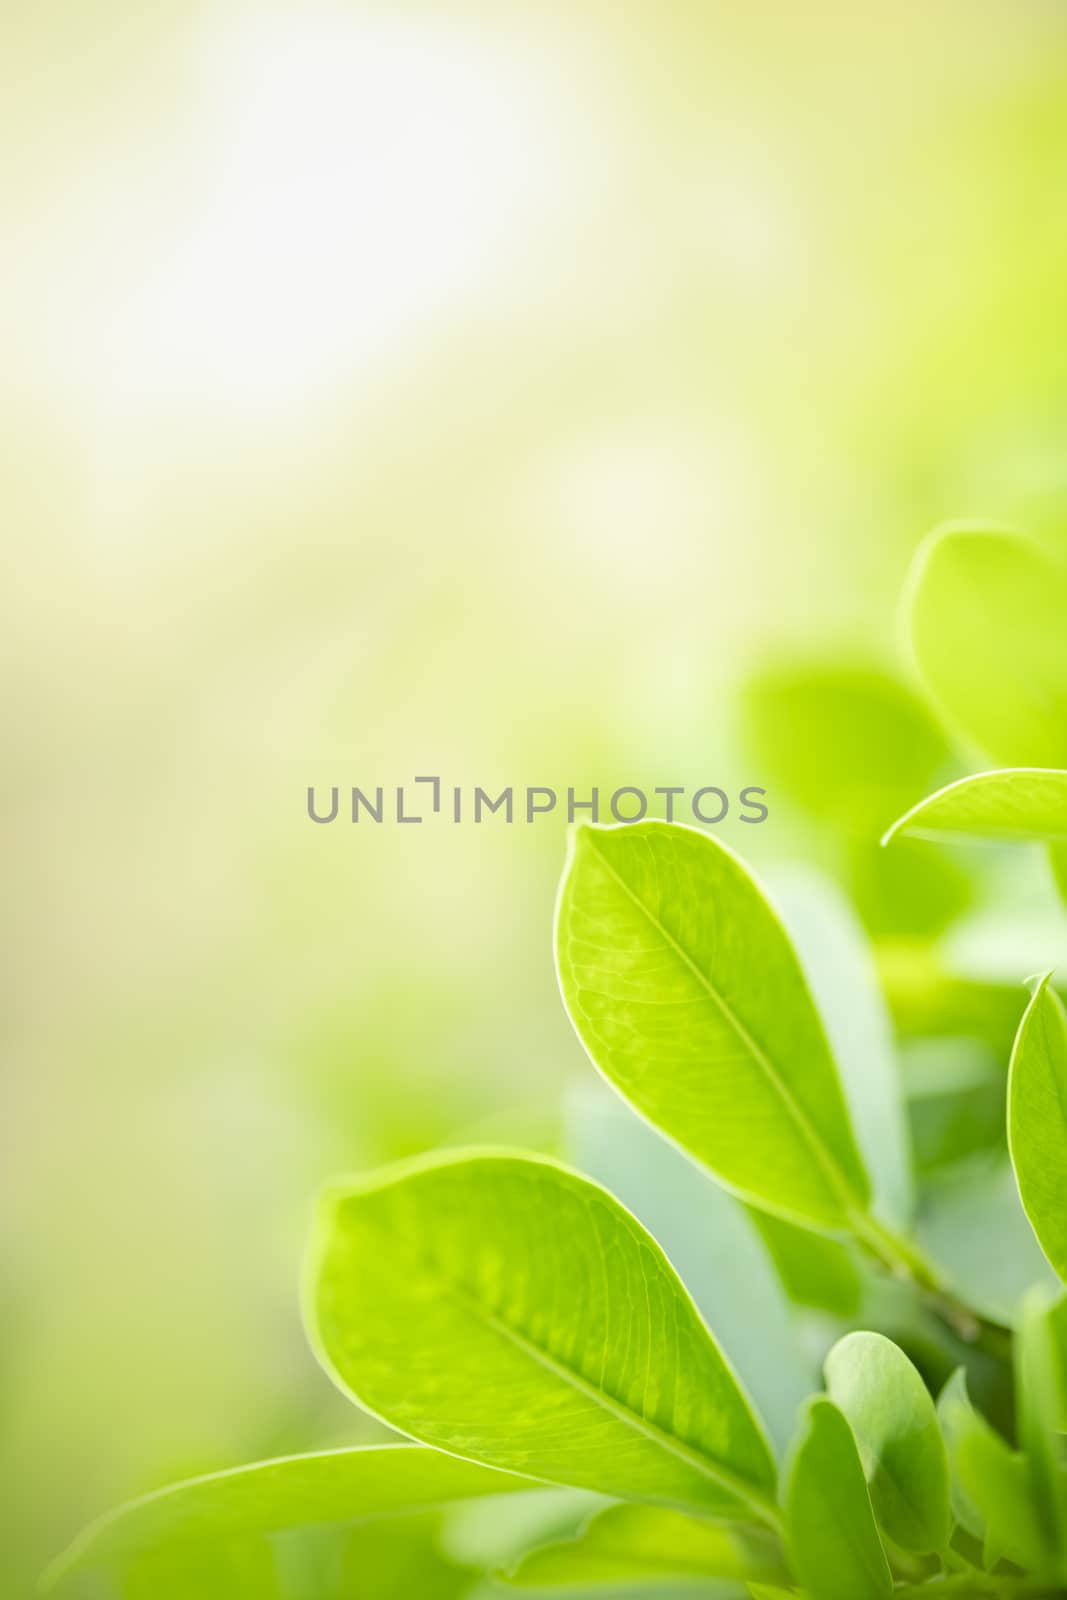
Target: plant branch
{"points": [[905, 1260]]}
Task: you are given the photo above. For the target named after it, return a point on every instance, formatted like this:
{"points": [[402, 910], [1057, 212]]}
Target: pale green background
{"points": [[396, 388]]}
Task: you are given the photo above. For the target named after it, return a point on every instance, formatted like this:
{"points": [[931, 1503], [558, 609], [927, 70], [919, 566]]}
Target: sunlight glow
{"points": [[353, 179]]}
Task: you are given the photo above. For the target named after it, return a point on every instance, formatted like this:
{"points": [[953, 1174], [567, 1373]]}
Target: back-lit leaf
{"points": [[686, 992], [505, 1309], [1013, 804], [893, 1418], [1037, 1120], [833, 1539]]}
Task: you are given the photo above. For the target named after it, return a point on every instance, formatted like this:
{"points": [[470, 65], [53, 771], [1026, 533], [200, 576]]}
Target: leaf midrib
{"points": [[838, 1182], [723, 1477]]}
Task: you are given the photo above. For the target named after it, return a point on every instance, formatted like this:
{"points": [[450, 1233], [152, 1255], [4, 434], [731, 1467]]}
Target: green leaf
{"points": [[295, 1491], [992, 1486], [1041, 1370], [893, 1418], [639, 1545], [1037, 1120], [987, 613], [845, 742], [1014, 804], [711, 1239], [686, 992], [837, 1554], [507, 1310]]}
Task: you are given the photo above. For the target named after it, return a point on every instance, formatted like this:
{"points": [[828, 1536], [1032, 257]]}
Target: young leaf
{"points": [[292, 1492], [900, 1443], [834, 1542], [686, 992], [1016, 804], [638, 1545], [987, 623], [992, 1485], [1037, 1120], [1041, 1371], [507, 1310]]}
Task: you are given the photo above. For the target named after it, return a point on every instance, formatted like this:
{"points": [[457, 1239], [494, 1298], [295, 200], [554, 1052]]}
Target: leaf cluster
{"points": [[599, 1388]]}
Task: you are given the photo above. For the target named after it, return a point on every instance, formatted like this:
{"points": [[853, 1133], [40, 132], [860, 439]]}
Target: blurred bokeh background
{"points": [[488, 389]]}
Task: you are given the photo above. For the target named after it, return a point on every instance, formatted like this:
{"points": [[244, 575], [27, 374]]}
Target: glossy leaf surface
{"points": [[893, 1418], [505, 1309], [1013, 804], [834, 1541], [686, 992]]}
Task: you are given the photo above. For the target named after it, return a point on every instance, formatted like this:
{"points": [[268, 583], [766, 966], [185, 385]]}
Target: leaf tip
{"points": [[894, 830]]}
